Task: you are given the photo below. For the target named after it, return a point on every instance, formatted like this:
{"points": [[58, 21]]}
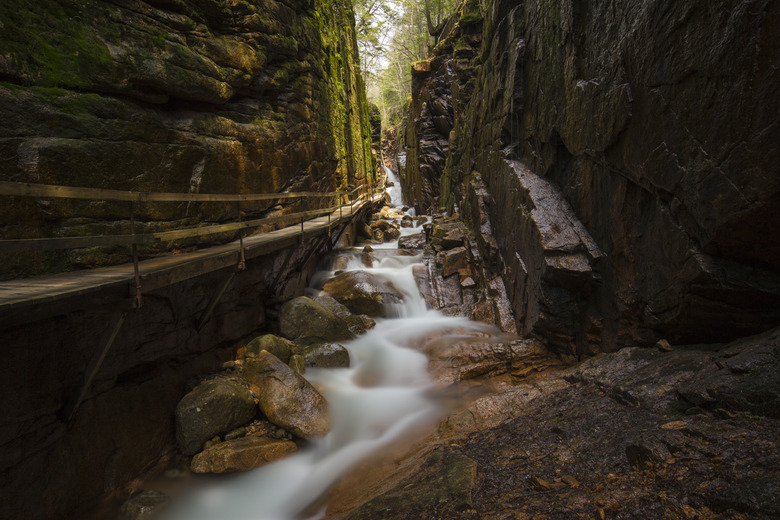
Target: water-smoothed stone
{"points": [[363, 292], [355, 323], [241, 454], [303, 317], [286, 398], [212, 408], [279, 347], [143, 506], [326, 355]]}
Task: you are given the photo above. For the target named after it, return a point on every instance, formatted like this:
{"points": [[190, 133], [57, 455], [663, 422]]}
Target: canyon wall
{"points": [[619, 163], [205, 96], [209, 96]]}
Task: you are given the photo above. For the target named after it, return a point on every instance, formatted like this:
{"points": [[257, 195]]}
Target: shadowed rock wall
{"points": [[657, 122], [172, 96]]}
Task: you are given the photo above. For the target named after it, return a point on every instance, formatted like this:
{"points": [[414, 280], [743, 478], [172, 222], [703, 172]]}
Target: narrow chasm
{"points": [[382, 260]]}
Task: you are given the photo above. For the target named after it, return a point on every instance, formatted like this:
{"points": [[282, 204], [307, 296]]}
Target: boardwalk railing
{"points": [[133, 239]]}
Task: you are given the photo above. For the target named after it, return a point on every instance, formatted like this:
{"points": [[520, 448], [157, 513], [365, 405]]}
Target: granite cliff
{"points": [[172, 96], [619, 164]]}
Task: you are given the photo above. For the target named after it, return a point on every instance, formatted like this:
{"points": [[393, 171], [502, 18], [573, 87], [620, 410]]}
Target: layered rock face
{"points": [[621, 166], [172, 96]]}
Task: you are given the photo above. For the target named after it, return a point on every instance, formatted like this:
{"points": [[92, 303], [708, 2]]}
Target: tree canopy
{"points": [[392, 34]]}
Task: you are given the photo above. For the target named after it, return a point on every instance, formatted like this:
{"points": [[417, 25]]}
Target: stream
{"points": [[384, 395]]}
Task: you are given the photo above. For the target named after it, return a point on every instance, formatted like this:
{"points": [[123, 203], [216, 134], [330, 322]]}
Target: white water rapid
{"points": [[381, 397]]}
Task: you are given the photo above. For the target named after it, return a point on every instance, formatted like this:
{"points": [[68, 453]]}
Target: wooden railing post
{"points": [[241, 258], [135, 258]]}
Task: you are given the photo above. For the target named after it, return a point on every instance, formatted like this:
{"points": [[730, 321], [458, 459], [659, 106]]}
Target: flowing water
{"points": [[381, 397]]}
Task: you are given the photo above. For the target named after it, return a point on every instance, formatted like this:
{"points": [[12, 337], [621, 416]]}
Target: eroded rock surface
{"points": [[176, 96], [644, 130]]}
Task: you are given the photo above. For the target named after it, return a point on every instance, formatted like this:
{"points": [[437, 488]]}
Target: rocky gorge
{"points": [[575, 316]]}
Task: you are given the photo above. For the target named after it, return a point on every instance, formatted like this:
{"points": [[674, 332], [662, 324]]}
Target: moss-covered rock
{"points": [[277, 346]]}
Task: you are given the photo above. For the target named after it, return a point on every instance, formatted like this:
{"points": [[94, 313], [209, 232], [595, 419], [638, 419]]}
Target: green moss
{"points": [[52, 43]]}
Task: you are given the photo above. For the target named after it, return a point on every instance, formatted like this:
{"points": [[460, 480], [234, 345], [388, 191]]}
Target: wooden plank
{"points": [[24, 189]]}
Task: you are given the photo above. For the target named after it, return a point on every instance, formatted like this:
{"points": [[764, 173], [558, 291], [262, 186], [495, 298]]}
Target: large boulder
{"points": [[286, 398], [277, 346], [355, 324], [303, 317], [363, 292], [326, 355], [212, 408], [241, 454]]}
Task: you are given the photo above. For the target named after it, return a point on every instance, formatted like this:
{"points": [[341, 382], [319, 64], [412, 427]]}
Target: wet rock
{"points": [[440, 488], [298, 364], [303, 317], [363, 292], [447, 235], [241, 454], [646, 450], [378, 235], [277, 346], [454, 260], [459, 357], [286, 398], [356, 324], [212, 408], [389, 231], [416, 241], [326, 355], [143, 506]]}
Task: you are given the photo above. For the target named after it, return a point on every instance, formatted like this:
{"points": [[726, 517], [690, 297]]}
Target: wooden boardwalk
{"points": [[27, 299]]}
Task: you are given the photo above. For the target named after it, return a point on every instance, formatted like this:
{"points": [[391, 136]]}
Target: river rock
{"points": [[416, 241], [355, 323], [326, 355], [363, 292], [212, 408], [303, 317], [286, 398], [277, 346], [407, 222], [241, 455], [143, 506]]}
